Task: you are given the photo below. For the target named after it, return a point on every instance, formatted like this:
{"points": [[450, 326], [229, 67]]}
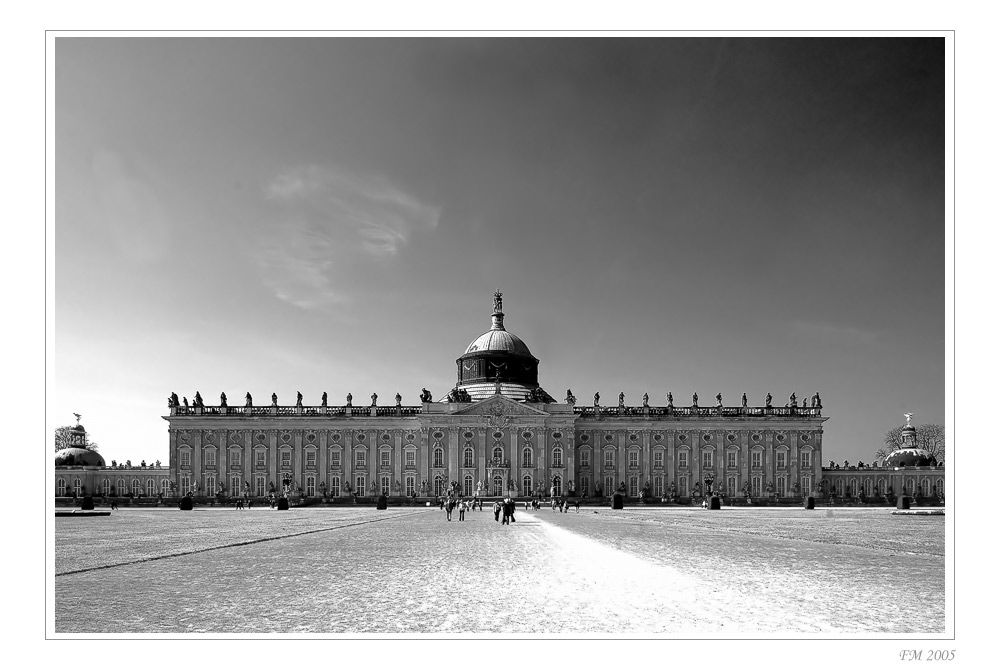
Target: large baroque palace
{"points": [[497, 432]]}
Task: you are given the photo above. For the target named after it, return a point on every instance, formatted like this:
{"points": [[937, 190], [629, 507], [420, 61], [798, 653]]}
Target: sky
{"points": [[669, 214]]}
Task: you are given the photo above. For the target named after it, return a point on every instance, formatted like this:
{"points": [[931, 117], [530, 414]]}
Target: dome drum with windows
{"points": [[498, 361]]}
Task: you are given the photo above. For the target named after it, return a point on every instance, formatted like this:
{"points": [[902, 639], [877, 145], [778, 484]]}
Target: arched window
{"points": [[467, 485], [385, 484], [335, 486], [439, 487], [526, 458], [557, 457], [868, 486], [781, 486], [105, 487], [209, 485], [881, 486], [497, 485], [359, 484], [584, 486], [925, 487], [731, 486], [839, 487], [939, 486], [498, 453], [121, 487], [609, 486], [310, 486], [438, 457], [150, 487], [411, 485], [77, 487], [526, 485], [60, 487], [467, 461], [682, 486], [853, 487], [556, 486], [910, 484], [136, 487]]}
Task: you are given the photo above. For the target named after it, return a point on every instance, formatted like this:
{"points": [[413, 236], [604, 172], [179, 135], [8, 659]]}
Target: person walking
{"points": [[461, 511], [506, 512], [449, 507], [114, 506], [496, 511]]}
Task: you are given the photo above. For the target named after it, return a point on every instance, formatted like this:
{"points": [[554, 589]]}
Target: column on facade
{"points": [[247, 449], [197, 463], [513, 472], [223, 460], [769, 472], [670, 464], [817, 464], [482, 474], [744, 462], [272, 460], [323, 460], [298, 465], [695, 437], [569, 449], [541, 475], [454, 455], [621, 458], [423, 470], [645, 465], [719, 462], [174, 462], [374, 438], [793, 461], [397, 462]]}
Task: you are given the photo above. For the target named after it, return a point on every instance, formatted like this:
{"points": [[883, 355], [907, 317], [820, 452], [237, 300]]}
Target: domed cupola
{"points": [[77, 453], [909, 453], [497, 361]]}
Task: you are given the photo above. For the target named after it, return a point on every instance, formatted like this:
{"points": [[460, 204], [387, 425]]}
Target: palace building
{"points": [[497, 432]]}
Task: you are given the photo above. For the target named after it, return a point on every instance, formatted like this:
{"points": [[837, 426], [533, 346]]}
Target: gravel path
{"points": [[359, 571]]}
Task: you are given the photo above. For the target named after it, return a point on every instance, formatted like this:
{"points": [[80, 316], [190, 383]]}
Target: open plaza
{"points": [[408, 570]]}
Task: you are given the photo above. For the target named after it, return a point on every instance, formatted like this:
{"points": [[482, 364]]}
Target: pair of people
{"points": [[508, 511]]}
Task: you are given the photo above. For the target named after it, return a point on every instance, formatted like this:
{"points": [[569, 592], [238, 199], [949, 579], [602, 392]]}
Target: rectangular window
{"points": [[259, 485], [658, 484], [731, 460], [609, 459], [781, 460], [310, 458], [806, 459], [658, 460], [706, 459], [311, 486], [584, 485], [210, 457], [755, 461], [731, 486], [334, 458], [185, 484], [286, 459], [755, 484], [185, 458], [359, 485], [334, 487], [234, 457], [633, 460], [234, 486], [411, 458], [359, 459], [384, 485], [682, 460], [411, 485], [585, 458], [210, 485], [260, 456], [384, 456]]}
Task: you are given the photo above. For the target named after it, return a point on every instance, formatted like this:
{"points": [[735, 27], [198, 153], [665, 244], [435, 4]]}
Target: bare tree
{"points": [[930, 437], [62, 439]]}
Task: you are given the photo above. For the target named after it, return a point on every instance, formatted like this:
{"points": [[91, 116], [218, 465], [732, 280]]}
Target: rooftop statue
{"points": [[173, 399], [497, 301], [718, 399], [791, 400], [645, 400], [274, 399], [374, 399], [621, 399], [198, 403], [249, 400], [597, 399], [185, 401], [425, 396], [222, 399], [349, 399], [694, 400], [767, 400], [570, 398], [298, 398], [323, 400], [399, 399], [744, 400], [670, 399], [909, 416]]}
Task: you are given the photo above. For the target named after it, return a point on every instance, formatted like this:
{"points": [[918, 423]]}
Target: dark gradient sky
{"points": [[662, 214]]}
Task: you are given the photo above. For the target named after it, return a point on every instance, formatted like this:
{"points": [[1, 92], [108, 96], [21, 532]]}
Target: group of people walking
{"points": [[449, 505], [507, 508]]}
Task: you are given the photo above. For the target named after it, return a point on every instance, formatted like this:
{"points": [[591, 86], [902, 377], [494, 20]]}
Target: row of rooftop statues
{"points": [[458, 395], [792, 401]]}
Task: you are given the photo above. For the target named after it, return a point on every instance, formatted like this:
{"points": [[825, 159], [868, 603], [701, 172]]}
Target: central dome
{"points": [[497, 362], [499, 340]]}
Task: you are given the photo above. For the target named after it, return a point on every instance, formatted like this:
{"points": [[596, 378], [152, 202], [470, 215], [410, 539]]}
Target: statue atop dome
{"points": [[497, 301]]}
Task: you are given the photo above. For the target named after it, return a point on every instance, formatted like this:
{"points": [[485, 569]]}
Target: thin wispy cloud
{"points": [[835, 333], [383, 216], [330, 215]]}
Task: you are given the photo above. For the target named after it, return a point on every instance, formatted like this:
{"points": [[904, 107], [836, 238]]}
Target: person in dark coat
{"points": [[496, 511]]}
